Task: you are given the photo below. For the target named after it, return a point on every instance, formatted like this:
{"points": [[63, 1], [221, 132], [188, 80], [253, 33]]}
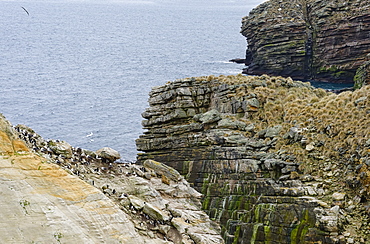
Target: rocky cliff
{"points": [[277, 160], [52, 192], [308, 39]]}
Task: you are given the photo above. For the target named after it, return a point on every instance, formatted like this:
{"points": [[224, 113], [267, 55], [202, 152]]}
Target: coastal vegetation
{"points": [[272, 156]]}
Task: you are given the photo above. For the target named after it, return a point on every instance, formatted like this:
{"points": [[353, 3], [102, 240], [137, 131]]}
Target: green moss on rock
{"points": [[298, 234], [362, 76]]}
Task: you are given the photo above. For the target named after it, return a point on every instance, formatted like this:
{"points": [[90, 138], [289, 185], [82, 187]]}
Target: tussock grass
{"points": [[338, 125]]}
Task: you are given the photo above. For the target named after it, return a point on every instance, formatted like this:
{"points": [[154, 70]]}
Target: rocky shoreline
{"points": [[228, 159], [125, 202], [277, 160], [311, 39]]}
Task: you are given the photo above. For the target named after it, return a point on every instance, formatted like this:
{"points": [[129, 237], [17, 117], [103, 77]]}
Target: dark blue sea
{"points": [[81, 71]]}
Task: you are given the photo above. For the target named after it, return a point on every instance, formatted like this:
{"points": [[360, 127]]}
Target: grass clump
{"points": [[336, 124]]}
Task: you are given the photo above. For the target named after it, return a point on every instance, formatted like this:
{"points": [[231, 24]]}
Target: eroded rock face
{"points": [[55, 193], [268, 154], [308, 39]]}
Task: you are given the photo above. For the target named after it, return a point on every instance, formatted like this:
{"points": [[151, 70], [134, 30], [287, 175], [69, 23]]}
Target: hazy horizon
{"points": [[205, 3]]}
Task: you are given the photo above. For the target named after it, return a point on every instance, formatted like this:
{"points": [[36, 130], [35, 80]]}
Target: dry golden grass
{"points": [[338, 123]]}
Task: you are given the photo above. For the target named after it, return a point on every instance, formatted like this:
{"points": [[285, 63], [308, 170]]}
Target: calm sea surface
{"points": [[81, 71]]}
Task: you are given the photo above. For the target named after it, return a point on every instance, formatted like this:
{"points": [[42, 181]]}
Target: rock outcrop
{"points": [[277, 160], [52, 192], [308, 39], [109, 154], [362, 76]]}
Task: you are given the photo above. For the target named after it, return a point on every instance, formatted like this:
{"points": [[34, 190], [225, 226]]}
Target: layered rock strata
{"points": [[55, 193], [308, 39], [277, 160]]}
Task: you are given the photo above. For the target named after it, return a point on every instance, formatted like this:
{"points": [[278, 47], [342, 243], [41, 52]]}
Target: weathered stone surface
{"points": [[108, 153], [155, 213], [338, 196], [309, 39], [273, 182], [50, 198], [136, 202], [209, 117], [162, 169], [42, 203], [61, 147]]}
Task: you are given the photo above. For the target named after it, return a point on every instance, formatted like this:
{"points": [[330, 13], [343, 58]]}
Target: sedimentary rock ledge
{"points": [[308, 39], [277, 160]]}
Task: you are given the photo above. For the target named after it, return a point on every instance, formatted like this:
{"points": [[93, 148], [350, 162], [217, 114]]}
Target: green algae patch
{"points": [[254, 233], [362, 76], [236, 234], [299, 232], [267, 232]]}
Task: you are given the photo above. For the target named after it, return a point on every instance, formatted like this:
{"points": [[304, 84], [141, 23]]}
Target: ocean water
{"points": [[81, 71]]}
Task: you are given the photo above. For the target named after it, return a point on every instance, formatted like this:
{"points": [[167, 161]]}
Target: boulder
{"points": [[338, 196], [209, 117], [162, 170], [61, 147], [108, 153], [136, 202], [155, 213], [270, 132], [231, 124]]}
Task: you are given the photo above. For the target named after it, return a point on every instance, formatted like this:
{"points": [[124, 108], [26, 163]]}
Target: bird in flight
{"points": [[25, 10]]}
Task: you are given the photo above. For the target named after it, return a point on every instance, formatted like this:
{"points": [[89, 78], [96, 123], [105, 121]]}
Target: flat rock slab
{"points": [[47, 205]]}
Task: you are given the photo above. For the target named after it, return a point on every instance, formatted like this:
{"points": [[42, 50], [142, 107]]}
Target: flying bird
{"points": [[25, 10]]}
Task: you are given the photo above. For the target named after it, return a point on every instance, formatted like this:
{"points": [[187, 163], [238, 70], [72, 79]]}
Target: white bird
{"points": [[91, 134]]}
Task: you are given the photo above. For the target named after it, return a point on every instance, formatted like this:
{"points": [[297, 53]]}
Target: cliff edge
{"points": [[54, 193], [276, 160], [308, 39]]}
